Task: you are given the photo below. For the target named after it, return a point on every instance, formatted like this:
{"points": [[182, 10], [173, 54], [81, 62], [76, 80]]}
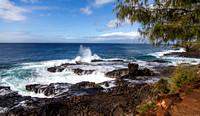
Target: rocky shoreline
{"points": [[130, 88], [192, 51], [120, 96]]}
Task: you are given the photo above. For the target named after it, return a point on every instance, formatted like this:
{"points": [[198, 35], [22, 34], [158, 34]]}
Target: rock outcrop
{"points": [[55, 69], [47, 90], [145, 72], [117, 73], [65, 89], [79, 71], [131, 72], [133, 69], [59, 68], [121, 100], [192, 51]]}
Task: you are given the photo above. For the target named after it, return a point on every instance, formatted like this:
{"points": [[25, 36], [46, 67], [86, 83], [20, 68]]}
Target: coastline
{"points": [[122, 95]]}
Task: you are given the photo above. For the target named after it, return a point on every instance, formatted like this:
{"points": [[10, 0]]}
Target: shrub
{"points": [[162, 86], [182, 74], [144, 107]]}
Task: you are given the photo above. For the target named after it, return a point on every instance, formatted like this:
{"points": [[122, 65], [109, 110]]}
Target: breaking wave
{"points": [[85, 55]]}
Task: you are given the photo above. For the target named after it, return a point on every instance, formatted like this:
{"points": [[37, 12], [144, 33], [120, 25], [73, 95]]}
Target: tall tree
{"points": [[163, 20]]}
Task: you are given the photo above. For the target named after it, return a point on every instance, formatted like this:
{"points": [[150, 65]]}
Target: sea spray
{"points": [[85, 55]]}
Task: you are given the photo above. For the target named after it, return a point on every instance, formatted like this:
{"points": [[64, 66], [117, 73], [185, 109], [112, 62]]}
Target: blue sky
{"points": [[63, 21]]}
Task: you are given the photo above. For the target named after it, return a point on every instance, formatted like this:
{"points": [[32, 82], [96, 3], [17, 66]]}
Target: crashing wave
{"points": [[85, 55]]}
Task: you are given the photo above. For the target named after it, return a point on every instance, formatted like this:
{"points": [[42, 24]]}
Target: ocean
{"points": [[26, 63]]}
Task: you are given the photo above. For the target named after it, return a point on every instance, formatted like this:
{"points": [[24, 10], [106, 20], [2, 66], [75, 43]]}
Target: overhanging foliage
{"points": [[164, 20]]}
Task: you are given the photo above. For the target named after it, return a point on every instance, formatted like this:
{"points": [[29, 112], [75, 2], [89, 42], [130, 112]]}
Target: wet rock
{"points": [[174, 54], [59, 68], [65, 89], [131, 72], [52, 69], [33, 87], [164, 71], [10, 99], [133, 68], [4, 87], [81, 63], [67, 64], [79, 71], [36, 88], [117, 73], [191, 52], [47, 90], [97, 60], [160, 61], [55, 69], [145, 72], [122, 99], [109, 61]]}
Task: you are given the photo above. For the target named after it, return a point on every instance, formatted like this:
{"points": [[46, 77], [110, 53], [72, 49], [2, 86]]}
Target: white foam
{"points": [[161, 54], [2, 110], [110, 85], [44, 64], [36, 72], [4, 92], [152, 80], [86, 55], [17, 80], [175, 60]]}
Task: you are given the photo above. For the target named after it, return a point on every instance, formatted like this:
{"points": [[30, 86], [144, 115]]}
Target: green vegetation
{"points": [[182, 74], [163, 21], [144, 107], [162, 86]]}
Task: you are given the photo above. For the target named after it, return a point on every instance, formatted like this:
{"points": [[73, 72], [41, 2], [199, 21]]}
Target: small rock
{"points": [[79, 71]]}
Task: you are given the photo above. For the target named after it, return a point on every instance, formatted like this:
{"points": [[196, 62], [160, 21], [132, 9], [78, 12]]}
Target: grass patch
{"points": [[182, 74], [144, 107], [162, 86]]}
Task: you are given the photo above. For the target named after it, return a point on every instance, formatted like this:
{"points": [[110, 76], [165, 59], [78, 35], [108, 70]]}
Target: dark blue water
{"points": [[15, 53]]}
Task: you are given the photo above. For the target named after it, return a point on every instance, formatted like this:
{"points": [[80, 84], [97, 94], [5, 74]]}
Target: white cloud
{"points": [[95, 4], [116, 22], [86, 10], [102, 2], [128, 34], [113, 23], [118, 37], [10, 12], [25, 37], [31, 1]]}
